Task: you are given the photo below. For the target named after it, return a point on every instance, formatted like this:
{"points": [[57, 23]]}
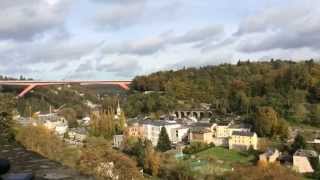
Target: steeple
{"points": [[118, 109]]}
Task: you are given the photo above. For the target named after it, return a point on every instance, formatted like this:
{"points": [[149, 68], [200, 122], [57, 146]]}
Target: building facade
{"points": [[243, 140], [151, 130], [134, 130]]}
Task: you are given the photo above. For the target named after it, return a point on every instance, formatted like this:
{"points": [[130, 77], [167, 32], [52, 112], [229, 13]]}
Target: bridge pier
{"points": [[199, 114], [26, 90]]}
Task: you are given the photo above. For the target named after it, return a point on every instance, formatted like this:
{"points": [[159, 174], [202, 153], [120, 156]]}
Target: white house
{"points": [[151, 130], [59, 126], [179, 134], [117, 140], [77, 135]]}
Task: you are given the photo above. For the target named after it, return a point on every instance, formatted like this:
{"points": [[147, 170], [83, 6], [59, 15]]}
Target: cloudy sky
{"points": [[118, 39]]}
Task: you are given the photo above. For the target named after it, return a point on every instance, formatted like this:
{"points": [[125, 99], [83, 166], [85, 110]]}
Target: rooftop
{"points": [[270, 151], [240, 126], [242, 133], [224, 123], [307, 153], [158, 122], [202, 124], [79, 130]]}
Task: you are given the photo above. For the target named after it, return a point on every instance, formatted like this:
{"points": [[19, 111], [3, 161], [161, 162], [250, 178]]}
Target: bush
{"points": [[196, 147]]}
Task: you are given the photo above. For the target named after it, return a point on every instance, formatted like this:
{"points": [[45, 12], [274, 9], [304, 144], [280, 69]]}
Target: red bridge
{"points": [[32, 84]]}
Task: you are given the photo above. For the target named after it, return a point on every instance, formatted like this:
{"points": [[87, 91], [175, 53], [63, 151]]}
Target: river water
{"points": [[23, 161]]}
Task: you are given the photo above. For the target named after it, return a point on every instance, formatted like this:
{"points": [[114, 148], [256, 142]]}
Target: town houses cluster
{"points": [[182, 128], [228, 133]]}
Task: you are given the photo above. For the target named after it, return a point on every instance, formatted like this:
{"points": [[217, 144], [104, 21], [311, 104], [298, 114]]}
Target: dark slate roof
{"points": [[223, 123], [306, 153], [241, 125], [242, 133], [158, 122], [202, 124]]}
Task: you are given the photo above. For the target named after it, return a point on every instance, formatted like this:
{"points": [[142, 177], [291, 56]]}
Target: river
{"points": [[23, 161]]}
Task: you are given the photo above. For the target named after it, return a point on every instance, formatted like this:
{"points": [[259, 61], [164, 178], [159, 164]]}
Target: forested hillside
{"points": [[292, 89], [74, 101], [40, 99]]}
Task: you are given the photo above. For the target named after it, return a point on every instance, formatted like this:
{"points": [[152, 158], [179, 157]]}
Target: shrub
{"points": [[196, 147]]}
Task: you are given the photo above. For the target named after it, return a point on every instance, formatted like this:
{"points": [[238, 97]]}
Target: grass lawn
{"points": [[218, 160], [226, 155]]}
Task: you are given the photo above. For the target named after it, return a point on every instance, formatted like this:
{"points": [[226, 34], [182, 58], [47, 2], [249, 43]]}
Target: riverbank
{"points": [[23, 161]]}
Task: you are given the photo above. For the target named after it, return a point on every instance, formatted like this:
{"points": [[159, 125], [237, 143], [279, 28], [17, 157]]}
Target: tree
{"points": [[99, 159], [103, 124], [151, 159], [122, 122], [164, 143], [7, 105], [315, 115], [266, 118], [268, 123], [71, 116], [299, 143]]}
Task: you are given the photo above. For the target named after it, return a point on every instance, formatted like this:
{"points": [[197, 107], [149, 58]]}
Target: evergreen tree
{"points": [[7, 105], [164, 143], [122, 122], [299, 143]]}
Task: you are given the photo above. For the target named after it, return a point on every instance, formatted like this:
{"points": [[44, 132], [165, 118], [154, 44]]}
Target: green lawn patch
{"points": [[226, 155], [218, 160]]}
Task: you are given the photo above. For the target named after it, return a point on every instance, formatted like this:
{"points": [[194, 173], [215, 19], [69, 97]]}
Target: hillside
{"points": [[292, 89], [40, 99]]}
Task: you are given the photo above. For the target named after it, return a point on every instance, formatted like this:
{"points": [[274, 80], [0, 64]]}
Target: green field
{"points": [[223, 154], [218, 160]]}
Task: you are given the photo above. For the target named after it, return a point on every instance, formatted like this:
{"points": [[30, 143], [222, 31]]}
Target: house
{"points": [[180, 134], [270, 156], [203, 136], [152, 128], [85, 121], [76, 136], [315, 141], [134, 129], [243, 140], [238, 127], [222, 130], [202, 132], [301, 160], [117, 140], [221, 134], [59, 126]]}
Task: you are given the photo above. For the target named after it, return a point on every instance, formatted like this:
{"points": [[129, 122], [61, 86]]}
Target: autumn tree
{"points": [[71, 116], [267, 123], [102, 124], [151, 159], [121, 123], [99, 159]]}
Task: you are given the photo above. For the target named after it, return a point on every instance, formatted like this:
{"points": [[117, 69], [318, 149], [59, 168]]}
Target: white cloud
{"points": [[23, 20], [291, 27], [149, 46]]}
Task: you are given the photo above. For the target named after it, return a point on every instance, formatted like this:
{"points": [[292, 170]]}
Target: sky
{"points": [[119, 39]]}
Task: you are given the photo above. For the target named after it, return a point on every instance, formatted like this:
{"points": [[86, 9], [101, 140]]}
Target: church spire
{"points": [[118, 109]]}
